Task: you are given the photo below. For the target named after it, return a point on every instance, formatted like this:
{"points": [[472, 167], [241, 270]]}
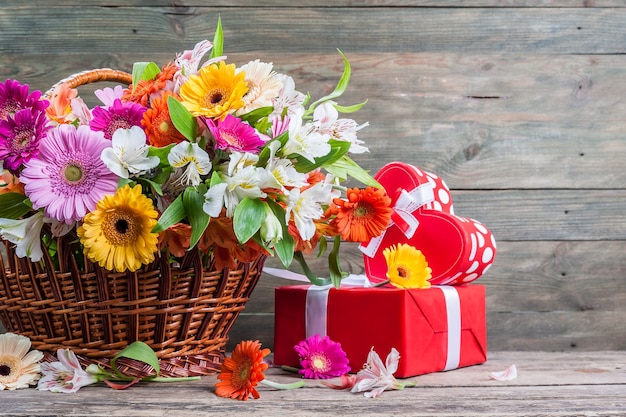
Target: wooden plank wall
{"points": [[518, 104]]}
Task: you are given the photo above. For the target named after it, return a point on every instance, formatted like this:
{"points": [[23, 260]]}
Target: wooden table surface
{"points": [[548, 384]]}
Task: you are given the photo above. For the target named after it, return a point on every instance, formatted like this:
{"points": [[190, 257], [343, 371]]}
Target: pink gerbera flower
{"points": [[20, 135], [68, 177], [15, 97], [321, 358], [234, 135], [120, 115]]}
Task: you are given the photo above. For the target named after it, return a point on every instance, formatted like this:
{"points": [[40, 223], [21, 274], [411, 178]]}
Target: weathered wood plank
{"points": [[333, 3], [548, 384], [467, 30], [540, 296]]}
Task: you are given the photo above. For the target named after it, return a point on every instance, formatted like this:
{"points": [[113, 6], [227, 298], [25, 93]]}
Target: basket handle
{"points": [[93, 76]]}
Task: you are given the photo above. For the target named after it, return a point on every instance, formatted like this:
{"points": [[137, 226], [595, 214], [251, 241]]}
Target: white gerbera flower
{"points": [[19, 368], [25, 234], [194, 158], [264, 85], [326, 120], [128, 155], [305, 140]]}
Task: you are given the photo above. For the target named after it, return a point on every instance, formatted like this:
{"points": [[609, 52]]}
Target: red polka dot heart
{"points": [[458, 249]]}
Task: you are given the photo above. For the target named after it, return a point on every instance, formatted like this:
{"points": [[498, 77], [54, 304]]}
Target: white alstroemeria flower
{"points": [[306, 206], [377, 377], [189, 62], [271, 229], [214, 199], [194, 158], [305, 140], [66, 375], [240, 160], [281, 173], [59, 228], [326, 120], [288, 98], [243, 180], [25, 234], [264, 85], [128, 155]]}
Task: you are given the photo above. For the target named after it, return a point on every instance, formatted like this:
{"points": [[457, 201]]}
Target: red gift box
{"points": [[457, 249], [433, 329]]}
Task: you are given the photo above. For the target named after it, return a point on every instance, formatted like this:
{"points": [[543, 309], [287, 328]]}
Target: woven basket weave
{"points": [[183, 310]]}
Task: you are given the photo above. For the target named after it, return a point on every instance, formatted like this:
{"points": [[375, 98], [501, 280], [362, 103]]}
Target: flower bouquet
{"points": [[149, 216]]}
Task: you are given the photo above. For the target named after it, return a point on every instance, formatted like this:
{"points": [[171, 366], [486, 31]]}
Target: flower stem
{"points": [[276, 385], [289, 369], [380, 284], [174, 379]]}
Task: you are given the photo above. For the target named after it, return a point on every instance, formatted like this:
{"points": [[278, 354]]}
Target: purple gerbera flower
{"points": [[120, 115], [20, 135], [68, 177], [321, 358], [234, 135], [15, 97]]}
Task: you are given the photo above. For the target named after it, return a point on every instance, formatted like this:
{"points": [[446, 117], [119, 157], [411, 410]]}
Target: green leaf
{"points": [[333, 263], [341, 85], [346, 166], [192, 201], [257, 114], [144, 71], [218, 40], [14, 205], [284, 247], [338, 148], [182, 118], [138, 351], [248, 218], [350, 109], [315, 280], [265, 154], [172, 215], [161, 153]]}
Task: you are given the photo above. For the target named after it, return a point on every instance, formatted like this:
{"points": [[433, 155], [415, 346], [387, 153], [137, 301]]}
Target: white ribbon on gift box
{"points": [[317, 308], [402, 215]]}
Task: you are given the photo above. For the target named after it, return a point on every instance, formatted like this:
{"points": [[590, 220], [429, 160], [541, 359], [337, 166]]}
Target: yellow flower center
{"points": [[241, 373], [120, 227], [320, 362], [73, 173]]}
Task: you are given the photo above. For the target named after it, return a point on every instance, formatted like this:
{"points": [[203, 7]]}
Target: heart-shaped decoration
{"points": [[457, 249]]}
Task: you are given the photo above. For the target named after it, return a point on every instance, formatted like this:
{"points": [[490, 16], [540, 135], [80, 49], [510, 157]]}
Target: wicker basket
{"points": [[183, 310]]}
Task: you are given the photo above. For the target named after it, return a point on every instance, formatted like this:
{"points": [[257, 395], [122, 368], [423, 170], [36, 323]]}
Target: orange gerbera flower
{"points": [[242, 371], [145, 88], [158, 123], [364, 215]]}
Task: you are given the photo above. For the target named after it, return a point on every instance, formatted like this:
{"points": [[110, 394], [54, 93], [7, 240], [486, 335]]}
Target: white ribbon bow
{"points": [[402, 215]]}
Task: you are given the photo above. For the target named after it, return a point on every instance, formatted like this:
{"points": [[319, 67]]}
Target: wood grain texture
{"points": [[476, 30], [548, 385]]}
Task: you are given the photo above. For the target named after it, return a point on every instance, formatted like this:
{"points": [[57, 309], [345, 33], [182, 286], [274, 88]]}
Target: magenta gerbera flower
{"points": [[15, 97], [120, 115], [68, 177], [321, 358], [20, 135], [234, 135]]}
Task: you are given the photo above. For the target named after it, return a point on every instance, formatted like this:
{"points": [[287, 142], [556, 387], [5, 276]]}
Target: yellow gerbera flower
{"points": [[214, 91], [407, 267], [19, 368], [117, 234]]}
